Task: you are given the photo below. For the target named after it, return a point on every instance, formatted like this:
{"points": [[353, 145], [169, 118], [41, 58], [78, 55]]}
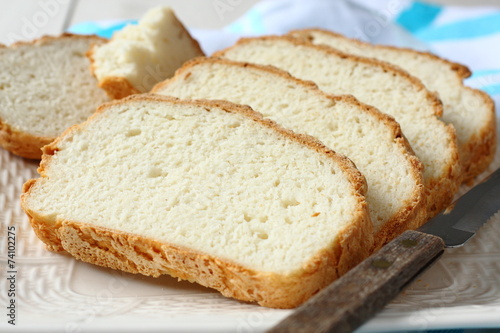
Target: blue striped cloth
{"points": [[467, 35]]}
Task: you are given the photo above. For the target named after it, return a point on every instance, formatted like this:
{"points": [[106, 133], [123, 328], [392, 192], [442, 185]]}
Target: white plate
{"points": [[55, 293]]}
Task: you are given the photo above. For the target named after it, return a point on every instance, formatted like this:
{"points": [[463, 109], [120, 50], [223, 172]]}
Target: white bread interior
{"points": [[45, 87], [371, 139], [205, 191]]}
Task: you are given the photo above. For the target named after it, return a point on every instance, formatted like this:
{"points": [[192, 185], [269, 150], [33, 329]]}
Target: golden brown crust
{"points": [[414, 214], [47, 39], [430, 96], [439, 192], [118, 87], [21, 143], [479, 151], [462, 71], [214, 59], [136, 254]]}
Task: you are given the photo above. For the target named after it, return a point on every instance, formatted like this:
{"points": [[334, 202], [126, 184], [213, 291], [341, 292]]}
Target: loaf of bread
{"points": [[45, 87], [389, 89], [371, 139], [204, 191], [471, 111], [139, 56]]}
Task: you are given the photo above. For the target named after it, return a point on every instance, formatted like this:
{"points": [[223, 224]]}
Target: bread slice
{"points": [[139, 56], [379, 84], [45, 87], [204, 191], [371, 139], [471, 111]]}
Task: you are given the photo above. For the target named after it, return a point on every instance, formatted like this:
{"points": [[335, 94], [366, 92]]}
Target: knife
{"points": [[358, 295]]}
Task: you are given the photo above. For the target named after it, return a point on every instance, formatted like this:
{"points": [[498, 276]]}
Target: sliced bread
{"points": [[371, 139], [470, 111], [376, 83], [204, 191], [139, 56], [45, 87]]}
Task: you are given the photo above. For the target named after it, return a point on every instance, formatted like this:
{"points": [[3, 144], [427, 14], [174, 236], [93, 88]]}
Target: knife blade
{"points": [[351, 300]]}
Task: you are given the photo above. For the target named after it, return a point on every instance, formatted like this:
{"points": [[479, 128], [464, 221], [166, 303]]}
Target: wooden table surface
{"points": [[29, 19]]}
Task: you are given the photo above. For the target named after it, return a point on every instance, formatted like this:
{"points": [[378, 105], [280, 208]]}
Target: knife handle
{"points": [[358, 295]]}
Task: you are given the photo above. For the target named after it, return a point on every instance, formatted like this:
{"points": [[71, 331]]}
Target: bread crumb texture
{"points": [[46, 85], [372, 140]]}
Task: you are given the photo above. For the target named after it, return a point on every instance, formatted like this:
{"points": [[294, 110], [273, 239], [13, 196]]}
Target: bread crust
{"points": [[413, 215], [462, 71], [21, 143], [476, 154], [431, 97], [118, 87], [439, 192], [480, 151], [49, 38], [137, 254]]}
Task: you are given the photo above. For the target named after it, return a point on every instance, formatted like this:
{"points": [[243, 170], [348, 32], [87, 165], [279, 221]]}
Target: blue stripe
{"points": [[236, 27], [90, 28], [492, 89], [476, 27], [484, 72], [418, 16], [256, 22], [108, 33], [84, 28]]}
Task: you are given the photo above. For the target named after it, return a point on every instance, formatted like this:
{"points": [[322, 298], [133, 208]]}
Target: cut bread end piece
{"points": [[45, 87], [21, 143], [139, 56], [380, 84], [205, 191], [470, 111], [371, 139]]}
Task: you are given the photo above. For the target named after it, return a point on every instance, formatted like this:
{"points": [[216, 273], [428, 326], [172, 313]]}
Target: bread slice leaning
{"points": [[45, 87], [471, 111], [379, 84], [204, 191], [371, 139], [139, 56]]}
